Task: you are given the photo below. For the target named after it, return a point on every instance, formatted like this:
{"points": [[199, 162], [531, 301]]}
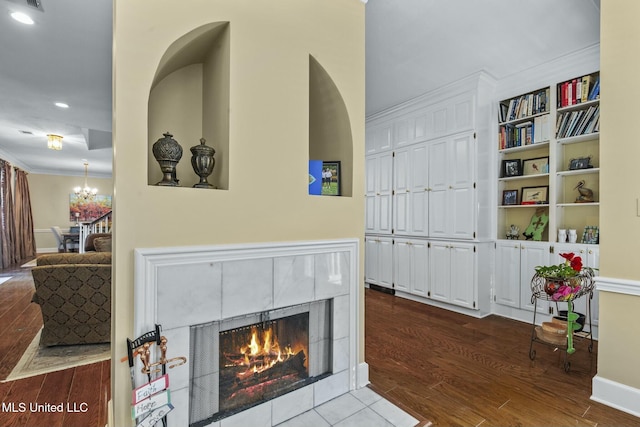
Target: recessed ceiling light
{"points": [[62, 105], [23, 18]]}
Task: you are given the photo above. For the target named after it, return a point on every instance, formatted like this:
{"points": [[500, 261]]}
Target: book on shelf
{"points": [[523, 106], [586, 82], [577, 122], [595, 91], [578, 90]]}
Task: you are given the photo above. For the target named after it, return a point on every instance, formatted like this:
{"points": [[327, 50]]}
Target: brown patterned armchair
{"points": [[74, 294]]}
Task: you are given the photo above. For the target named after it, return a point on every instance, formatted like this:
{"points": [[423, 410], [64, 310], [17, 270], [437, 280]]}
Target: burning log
{"points": [[242, 377]]}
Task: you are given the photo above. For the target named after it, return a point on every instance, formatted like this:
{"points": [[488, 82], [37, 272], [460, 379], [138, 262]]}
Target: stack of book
{"points": [[579, 90], [524, 106]]}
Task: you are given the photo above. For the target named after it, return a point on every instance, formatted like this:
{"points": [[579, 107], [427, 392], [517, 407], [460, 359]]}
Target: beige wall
{"points": [[619, 344], [266, 200], [50, 203]]}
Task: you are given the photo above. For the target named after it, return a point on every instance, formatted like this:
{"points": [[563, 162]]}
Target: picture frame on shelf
{"points": [[509, 197], [512, 167], [535, 166], [591, 234], [535, 195], [580, 163], [331, 179]]}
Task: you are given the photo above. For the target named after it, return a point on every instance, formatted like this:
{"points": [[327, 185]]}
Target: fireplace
{"points": [[211, 301], [241, 362], [262, 361]]}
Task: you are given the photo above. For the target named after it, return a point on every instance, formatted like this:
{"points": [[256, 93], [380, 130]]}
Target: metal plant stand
{"points": [[587, 285]]}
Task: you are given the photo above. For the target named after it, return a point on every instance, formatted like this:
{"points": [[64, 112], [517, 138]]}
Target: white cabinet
{"points": [[378, 262], [378, 137], [453, 273], [532, 254], [411, 197], [507, 285], [451, 180], [515, 266], [590, 255], [410, 266], [378, 196]]}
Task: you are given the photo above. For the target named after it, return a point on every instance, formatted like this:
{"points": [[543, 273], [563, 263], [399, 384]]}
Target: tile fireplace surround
{"points": [[179, 287]]}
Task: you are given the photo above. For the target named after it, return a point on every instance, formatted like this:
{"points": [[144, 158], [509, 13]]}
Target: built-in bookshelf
{"points": [[548, 155], [577, 140]]}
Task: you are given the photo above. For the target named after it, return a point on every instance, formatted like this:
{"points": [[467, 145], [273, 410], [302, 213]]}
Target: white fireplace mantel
{"points": [[178, 287]]}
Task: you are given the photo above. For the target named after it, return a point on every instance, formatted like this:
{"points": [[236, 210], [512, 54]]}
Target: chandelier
{"points": [[85, 192], [54, 142]]}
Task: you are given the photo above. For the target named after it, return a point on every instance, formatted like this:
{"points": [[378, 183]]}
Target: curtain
{"points": [[25, 240], [7, 222]]}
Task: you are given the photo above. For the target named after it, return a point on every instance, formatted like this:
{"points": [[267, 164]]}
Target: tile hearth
{"points": [[358, 408]]}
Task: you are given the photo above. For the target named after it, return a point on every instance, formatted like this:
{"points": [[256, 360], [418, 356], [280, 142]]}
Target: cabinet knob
{"points": [[515, 246], [451, 187], [377, 194], [408, 191], [590, 251]]}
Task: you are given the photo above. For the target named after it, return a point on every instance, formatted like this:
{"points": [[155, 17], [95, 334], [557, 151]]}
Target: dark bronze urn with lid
{"points": [[168, 153], [202, 161]]}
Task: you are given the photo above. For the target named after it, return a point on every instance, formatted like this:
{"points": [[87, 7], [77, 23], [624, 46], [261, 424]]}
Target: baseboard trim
{"points": [[363, 375], [616, 395]]}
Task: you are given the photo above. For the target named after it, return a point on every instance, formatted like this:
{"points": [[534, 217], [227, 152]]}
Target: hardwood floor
{"points": [[454, 370], [84, 391], [442, 367]]}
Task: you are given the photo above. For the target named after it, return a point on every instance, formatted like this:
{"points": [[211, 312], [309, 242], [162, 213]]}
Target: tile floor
{"points": [[358, 408]]}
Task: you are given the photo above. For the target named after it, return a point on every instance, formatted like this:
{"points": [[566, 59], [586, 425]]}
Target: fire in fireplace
{"points": [[243, 361], [263, 360]]}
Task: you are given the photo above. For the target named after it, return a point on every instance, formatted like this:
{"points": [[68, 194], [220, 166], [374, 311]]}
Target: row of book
{"points": [[578, 122], [579, 90], [527, 133], [524, 106]]}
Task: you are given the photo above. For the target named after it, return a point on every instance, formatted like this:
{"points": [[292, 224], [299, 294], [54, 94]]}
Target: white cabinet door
{"points": [[378, 137], [463, 275], [370, 260], [385, 262], [371, 189], [378, 261], [402, 264], [590, 255], [419, 267], [419, 191], [439, 271], [410, 266], [402, 191], [507, 288], [439, 184], [452, 201], [378, 195], [532, 254], [385, 192], [593, 261], [461, 207]]}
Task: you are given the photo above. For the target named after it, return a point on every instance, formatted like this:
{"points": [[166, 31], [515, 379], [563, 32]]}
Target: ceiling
{"points": [[65, 56], [412, 47], [415, 46]]}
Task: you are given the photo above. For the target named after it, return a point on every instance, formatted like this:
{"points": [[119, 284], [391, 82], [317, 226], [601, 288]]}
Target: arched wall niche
{"points": [[330, 137], [189, 98]]}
